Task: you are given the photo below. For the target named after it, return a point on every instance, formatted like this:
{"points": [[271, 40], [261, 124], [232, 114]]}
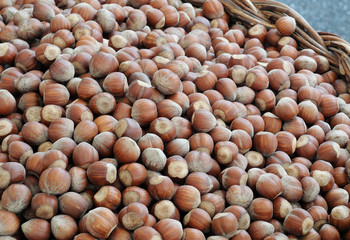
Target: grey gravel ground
{"points": [[325, 15]]}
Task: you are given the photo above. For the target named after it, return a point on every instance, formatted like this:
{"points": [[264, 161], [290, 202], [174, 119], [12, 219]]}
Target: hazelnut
{"points": [[34, 133], [85, 131], [213, 9], [8, 53], [225, 224], [164, 128], [150, 140], [100, 222], [50, 113], [272, 123], [178, 146], [187, 197], [261, 209], [161, 187], [19, 151], [337, 197], [133, 216], [9, 103], [176, 167], [136, 21], [56, 94], [296, 126], [265, 142], [140, 85], [146, 232], [286, 109], [30, 29], [292, 188], [79, 179], [192, 233], [199, 219], [62, 70], [135, 194], [258, 31], [239, 195], [101, 173], [78, 112], [132, 174], [225, 110], [154, 159], [102, 103], [144, 111], [279, 157], [11, 172], [286, 25], [286, 142], [16, 198], [105, 123], [305, 62], [63, 227], [319, 215], [265, 100], [104, 143], [171, 15], [298, 222], [311, 189], [73, 204], [108, 196], [84, 154], [87, 88], [100, 70], [169, 229], [36, 229], [225, 151], [201, 142], [9, 223], [82, 236], [194, 158], [201, 181], [212, 203], [257, 79], [44, 205], [220, 134], [8, 128], [242, 139], [275, 186], [306, 146], [329, 231], [166, 81], [116, 84], [54, 181], [260, 229], [55, 158], [165, 209], [126, 150]]}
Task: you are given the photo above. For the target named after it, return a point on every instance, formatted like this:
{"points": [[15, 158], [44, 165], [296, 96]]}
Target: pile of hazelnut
{"points": [[158, 120]]}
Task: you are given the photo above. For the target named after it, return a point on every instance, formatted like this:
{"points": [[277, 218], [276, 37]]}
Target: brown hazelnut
{"points": [[298, 222], [269, 186], [9, 222], [225, 224], [102, 173], [286, 25], [100, 222]]}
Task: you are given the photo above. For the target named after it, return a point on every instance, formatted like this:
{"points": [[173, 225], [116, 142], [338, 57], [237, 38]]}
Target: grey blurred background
{"points": [[325, 15]]}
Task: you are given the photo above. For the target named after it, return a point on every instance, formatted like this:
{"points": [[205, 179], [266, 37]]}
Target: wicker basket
{"points": [[266, 12]]}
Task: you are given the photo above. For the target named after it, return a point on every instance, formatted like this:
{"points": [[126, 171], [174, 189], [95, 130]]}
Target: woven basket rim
{"points": [[266, 12]]}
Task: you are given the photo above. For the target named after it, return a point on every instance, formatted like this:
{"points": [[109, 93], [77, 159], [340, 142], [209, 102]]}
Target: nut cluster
{"points": [[155, 119]]}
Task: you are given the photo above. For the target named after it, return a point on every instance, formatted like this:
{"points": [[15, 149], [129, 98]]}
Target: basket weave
{"points": [[266, 12]]}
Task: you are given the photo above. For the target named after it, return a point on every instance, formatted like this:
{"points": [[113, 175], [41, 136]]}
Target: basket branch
{"points": [[266, 12]]}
